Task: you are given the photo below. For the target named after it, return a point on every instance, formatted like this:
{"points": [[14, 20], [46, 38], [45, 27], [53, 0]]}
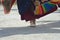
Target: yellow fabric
{"points": [[37, 11], [55, 1]]}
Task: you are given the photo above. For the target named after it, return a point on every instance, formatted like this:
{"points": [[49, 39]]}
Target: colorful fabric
{"points": [[55, 1], [29, 15], [7, 4], [26, 9], [46, 7], [38, 10]]}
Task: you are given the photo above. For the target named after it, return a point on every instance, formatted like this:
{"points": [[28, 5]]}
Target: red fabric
{"points": [[39, 10], [7, 7], [12, 2]]}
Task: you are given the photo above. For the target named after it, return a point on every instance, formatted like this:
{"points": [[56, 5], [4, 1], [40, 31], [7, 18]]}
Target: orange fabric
{"points": [[39, 10], [55, 1]]}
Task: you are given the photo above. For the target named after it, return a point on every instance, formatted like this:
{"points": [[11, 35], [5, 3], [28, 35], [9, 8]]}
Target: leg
{"points": [[32, 23]]}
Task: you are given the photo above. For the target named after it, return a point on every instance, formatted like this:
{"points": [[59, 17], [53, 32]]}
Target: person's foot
{"points": [[32, 25]]}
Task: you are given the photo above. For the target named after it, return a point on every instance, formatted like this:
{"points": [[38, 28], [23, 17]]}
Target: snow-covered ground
{"points": [[13, 28]]}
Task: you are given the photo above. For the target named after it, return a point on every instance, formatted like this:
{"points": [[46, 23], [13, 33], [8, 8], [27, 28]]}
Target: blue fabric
{"points": [[24, 5], [48, 6]]}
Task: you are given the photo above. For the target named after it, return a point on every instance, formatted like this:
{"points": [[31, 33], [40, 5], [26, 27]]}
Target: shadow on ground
{"points": [[44, 28]]}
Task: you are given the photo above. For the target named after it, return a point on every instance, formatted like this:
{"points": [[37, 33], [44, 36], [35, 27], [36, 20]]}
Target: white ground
{"points": [[12, 28]]}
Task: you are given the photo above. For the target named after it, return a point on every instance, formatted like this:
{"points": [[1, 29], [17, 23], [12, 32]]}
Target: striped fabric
{"points": [[46, 7]]}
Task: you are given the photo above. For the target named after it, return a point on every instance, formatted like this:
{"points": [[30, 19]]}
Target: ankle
{"points": [[32, 23]]}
